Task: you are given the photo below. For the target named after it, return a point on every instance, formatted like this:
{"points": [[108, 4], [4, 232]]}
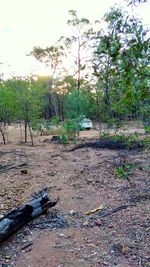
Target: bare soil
{"points": [[83, 180]]}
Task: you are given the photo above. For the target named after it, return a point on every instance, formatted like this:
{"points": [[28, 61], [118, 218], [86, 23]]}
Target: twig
{"points": [[27, 245], [140, 261], [105, 213]]}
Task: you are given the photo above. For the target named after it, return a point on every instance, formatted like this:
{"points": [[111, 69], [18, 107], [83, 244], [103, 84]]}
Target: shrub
{"points": [[123, 141]]}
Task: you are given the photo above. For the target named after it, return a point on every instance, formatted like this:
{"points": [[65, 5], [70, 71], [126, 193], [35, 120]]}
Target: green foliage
{"points": [[21, 99], [125, 170], [8, 108], [132, 141], [28, 99], [63, 138], [78, 43], [84, 101], [147, 129], [121, 66], [146, 142], [54, 121], [71, 127], [50, 55], [48, 124], [113, 137]]}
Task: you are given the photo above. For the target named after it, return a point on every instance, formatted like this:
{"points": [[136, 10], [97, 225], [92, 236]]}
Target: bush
{"points": [[129, 142], [124, 171], [147, 129], [70, 130]]}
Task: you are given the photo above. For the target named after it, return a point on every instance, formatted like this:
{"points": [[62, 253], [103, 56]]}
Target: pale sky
{"points": [[28, 23]]}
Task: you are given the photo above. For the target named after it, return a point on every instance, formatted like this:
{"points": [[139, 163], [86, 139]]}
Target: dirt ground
{"points": [[83, 179]]}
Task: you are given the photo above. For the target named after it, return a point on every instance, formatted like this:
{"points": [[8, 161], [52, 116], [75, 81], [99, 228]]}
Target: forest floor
{"points": [[83, 179]]}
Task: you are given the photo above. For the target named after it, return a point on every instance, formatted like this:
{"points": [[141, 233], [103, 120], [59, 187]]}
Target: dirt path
{"points": [[83, 180]]}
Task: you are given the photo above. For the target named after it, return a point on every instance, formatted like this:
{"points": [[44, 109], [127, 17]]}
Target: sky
{"points": [[28, 23]]}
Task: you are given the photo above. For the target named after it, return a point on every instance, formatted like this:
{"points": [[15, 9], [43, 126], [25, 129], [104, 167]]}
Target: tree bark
{"points": [[17, 218], [30, 131], [25, 131], [3, 135], [79, 76]]}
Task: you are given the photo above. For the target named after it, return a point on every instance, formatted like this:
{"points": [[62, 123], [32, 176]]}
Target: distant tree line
{"points": [[107, 79]]}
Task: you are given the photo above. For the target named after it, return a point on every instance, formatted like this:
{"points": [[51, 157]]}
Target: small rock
{"points": [[105, 263], [7, 257], [98, 222], [110, 226], [2, 194], [86, 223], [72, 212], [89, 181], [61, 235], [59, 189], [119, 248]]}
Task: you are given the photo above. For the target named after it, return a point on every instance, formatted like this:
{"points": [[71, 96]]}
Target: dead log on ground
{"points": [[19, 217], [109, 144], [7, 167]]}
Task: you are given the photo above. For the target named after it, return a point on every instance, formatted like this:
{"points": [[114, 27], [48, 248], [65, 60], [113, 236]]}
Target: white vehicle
{"points": [[86, 124]]}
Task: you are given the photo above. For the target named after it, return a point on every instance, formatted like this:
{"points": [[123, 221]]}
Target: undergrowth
{"points": [[125, 171], [133, 141]]}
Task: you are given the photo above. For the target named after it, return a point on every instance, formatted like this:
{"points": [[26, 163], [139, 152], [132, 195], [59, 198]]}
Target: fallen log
{"points": [[7, 167], [109, 144], [19, 217]]}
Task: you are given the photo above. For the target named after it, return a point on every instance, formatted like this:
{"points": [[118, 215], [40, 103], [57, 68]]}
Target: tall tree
{"points": [[79, 43], [121, 66], [52, 57], [135, 2], [7, 107], [27, 102]]}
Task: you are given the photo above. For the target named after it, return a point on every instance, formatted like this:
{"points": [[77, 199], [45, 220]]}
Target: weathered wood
{"points": [[110, 144], [7, 167], [17, 218], [105, 213]]}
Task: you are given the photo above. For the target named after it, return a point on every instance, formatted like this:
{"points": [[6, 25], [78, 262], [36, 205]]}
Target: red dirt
{"points": [[83, 179]]}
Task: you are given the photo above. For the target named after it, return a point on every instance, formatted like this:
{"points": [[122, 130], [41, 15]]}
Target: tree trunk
{"points": [[30, 131], [25, 130], [21, 132], [78, 78], [3, 134], [19, 217]]}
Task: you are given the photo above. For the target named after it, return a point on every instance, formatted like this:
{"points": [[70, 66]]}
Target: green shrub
{"points": [[125, 170], [63, 138], [132, 141], [147, 129], [68, 132]]}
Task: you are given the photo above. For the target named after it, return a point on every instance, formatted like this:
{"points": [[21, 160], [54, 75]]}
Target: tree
{"points": [[27, 102], [86, 98], [7, 108], [52, 57], [134, 2], [80, 43], [121, 66]]}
